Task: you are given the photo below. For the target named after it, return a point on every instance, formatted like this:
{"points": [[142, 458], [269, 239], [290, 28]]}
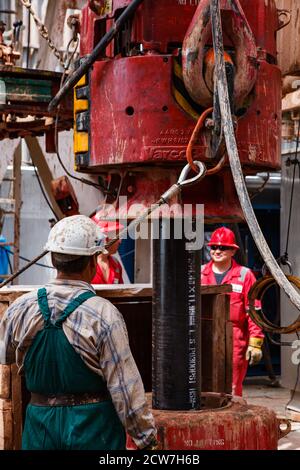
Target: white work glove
{"points": [[254, 352]]}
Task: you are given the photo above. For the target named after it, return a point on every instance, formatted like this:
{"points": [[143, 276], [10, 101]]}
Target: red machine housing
{"points": [[136, 119]]}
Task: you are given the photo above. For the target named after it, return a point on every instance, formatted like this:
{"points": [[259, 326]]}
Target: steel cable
{"points": [[235, 163]]}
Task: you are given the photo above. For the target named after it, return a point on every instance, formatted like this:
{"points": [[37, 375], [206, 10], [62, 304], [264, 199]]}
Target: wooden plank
{"points": [[211, 290], [206, 342], [6, 425], [7, 201], [133, 291], [5, 382], [288, 39], [40, 161], [229, 354], [218, 344], [9, 294], [17, 160], [291, 101], [112, 291], [16, 396], [23, 74], [6, 299], [9, 297]]}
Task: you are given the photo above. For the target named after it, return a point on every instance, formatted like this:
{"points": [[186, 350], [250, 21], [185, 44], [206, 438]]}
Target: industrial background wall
{"points": [[289, 312], [288, 39], [35, 216]]}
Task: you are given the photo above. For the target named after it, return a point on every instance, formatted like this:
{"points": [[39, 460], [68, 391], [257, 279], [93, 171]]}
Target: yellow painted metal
{"points": [[81, 139], [80, 105], [81, 142], [82, 81]]}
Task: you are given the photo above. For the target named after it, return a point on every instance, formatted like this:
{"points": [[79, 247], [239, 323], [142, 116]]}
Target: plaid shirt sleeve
{"points": [[125, 385]]}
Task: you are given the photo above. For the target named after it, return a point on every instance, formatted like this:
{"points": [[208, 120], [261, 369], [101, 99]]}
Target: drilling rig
{"points": [[160, 84], [153, 86], [136, 108]]}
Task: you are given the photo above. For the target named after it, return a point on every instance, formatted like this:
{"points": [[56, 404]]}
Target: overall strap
{"points": [[75, 303], [43, 305]]}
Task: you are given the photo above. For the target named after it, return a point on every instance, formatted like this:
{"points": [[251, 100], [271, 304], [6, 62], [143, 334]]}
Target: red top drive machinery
{"points": [[136, 109]]}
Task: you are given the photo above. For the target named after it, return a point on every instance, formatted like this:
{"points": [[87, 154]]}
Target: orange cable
{"points": [[193, 138]]}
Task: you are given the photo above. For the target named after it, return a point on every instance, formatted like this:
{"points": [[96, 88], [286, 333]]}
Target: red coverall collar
{"points": [[233, 271]]}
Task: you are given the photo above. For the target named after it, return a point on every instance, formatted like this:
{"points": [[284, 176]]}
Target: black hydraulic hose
{"points": [[89, 60], [234, 160]]}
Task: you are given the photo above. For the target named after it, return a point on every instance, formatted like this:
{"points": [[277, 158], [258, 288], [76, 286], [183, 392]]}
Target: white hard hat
{"points": [[75, 235]]}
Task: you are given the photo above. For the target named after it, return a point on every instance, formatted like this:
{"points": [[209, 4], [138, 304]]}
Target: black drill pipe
{"points": [[88, 61], [176, 326]]}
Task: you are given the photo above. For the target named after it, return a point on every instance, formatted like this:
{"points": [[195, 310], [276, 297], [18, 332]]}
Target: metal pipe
{"points": [[100, 47], [176, 335], [235, 163]]}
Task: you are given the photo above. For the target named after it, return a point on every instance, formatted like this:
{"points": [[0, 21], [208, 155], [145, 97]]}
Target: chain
{"points": [[43, 31]]}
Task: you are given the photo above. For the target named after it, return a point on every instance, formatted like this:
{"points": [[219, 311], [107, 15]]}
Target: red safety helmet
{"points": [[223, 237], [108, 226]]}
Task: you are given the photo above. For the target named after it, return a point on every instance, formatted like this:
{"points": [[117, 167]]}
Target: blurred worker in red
{"points": [[109, 269], [223, 269]]}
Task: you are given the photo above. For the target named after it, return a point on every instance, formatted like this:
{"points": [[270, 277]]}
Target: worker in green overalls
{"points": [[72, 347]]}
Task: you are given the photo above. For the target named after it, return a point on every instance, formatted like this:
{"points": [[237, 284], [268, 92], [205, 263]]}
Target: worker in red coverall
{"points": [[109, 270], [223, 269]]}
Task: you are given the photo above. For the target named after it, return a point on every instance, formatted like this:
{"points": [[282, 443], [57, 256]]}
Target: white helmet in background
{"points": [[75, 235]]}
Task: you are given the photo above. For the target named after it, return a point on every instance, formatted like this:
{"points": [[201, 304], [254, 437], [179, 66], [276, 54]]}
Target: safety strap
{"points": [[43, 305], [75, 303]]}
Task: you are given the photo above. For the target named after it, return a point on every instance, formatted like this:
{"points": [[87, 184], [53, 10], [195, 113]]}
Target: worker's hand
{"points": [[154, 445], [254, 352]]}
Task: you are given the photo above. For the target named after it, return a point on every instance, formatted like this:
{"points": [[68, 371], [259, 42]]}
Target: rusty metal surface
{"points": [[236, 427], [145, 125], [231, 424], [288, 39], [156, 24], [146, 186], [147, 103], [23, 111], [236, 27]]}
